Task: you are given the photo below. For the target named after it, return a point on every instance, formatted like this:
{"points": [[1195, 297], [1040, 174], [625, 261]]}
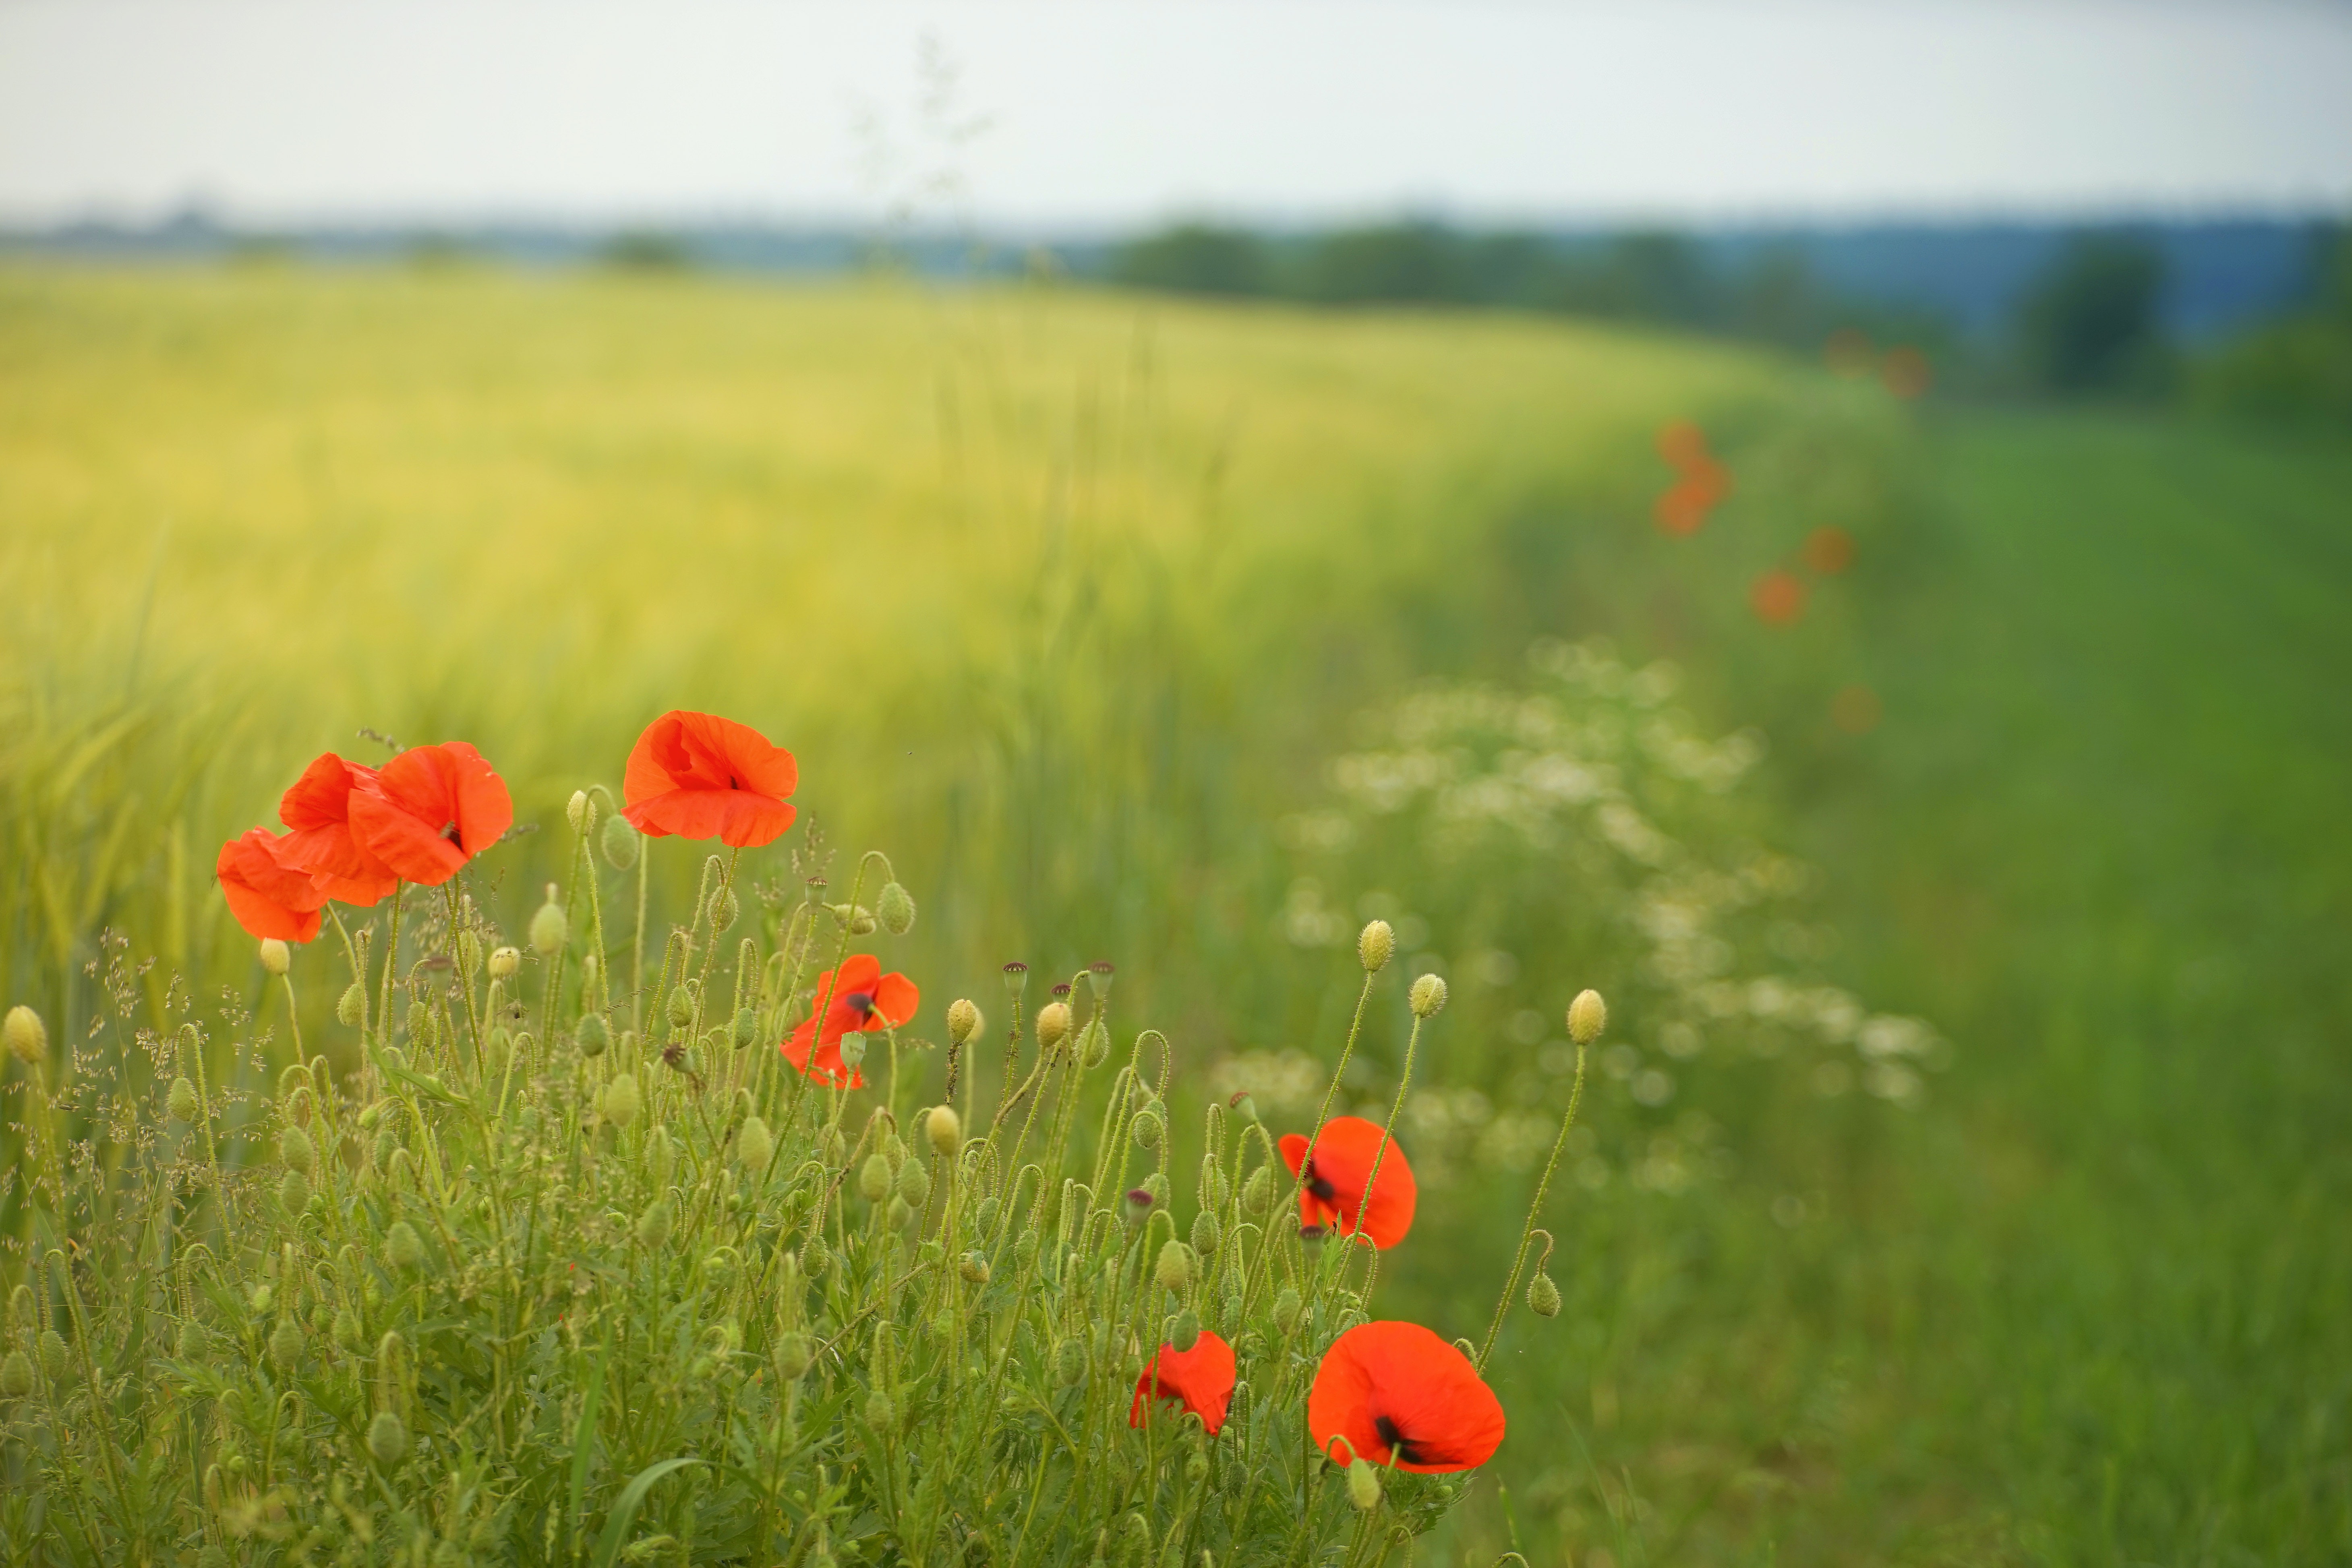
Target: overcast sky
{"points": [[1108, 112]]}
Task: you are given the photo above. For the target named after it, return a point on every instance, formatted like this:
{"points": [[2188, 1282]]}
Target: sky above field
{"points": [[1111, 111]]}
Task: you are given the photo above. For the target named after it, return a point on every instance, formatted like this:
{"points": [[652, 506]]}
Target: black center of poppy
{"points": [[1401, 1446], [449, 832], [1317, 1184], [859, 1002]]}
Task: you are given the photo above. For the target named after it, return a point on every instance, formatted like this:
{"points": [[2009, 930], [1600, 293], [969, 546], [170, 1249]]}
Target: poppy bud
{"points": [[183, 1101], [1588, 1015], [1543, 1297], [1016, 976], [347, 1332], [593, 1034], [1374, 944], [16, 1375], [275, 956], [1287, 1309], [856, 916], [619, 842], [1053, 1024], [945, 1130], [881, 1413], [793, 1355], [387, 1438], [894, 907], [1363, 1486], [1186, 1333], [285, 1343], [963, 1019], [653, 1225], [900, 1214], [754, 1145], [294, 1192], [1196, 1470], [661, 1155], [1137, 1205], [294, 1148], [1427, 995], [469, 955], [53, 1355], [973, 1266], [403, 1248], [420, 1024], [619, 1101], [579, 810], [724, 907], [352, 1006], [1206, 1234], [504, 962], [914, 1185], [682, 998], [874, 1178], [1148, 1130], [1257, 1193], [1157, 1185], [1174, 1270], [549, 927], [1070, 1361]]}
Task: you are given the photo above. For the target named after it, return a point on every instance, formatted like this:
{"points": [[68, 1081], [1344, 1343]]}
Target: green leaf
{"points": [[625, 1511]]}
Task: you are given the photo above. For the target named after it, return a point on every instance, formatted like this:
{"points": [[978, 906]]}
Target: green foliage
{"points": [[1196, 258], [2090, 323], [2296, 371]]}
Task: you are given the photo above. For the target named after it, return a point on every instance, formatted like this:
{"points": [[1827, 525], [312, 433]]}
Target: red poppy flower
{"points": [[317, 810], [267, 899], [429, 810], [1200, 1379], [1393, 1389], [1777, 598], [864, 998], [1334, 1194], [702, 776]]}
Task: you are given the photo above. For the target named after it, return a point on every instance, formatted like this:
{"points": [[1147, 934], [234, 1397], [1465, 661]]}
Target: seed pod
{"points": [[881, 1413], [620, 1100], [387, 1438], [505, 962], [1287, 1309], [915, 1183], [964, 1019], [1186, 1333], [1053, 1024], [619, 843], [1244, 1107], [53, 1355], [754, 1145], [1174, 1268], [403, 1248], [294, 1148], [661, 1155], [1257, 1193], [549, 927], [353, 1006], [724, 908], [894, 906], [1206, 1233], [874, 1178], [285, 1343], [944, 1128], [294, 1192], [1373, 946], [1588, 1015], [593, 1034], [1363, 1486], [973, 1266], [1427, 995], [183, 1101], [654, 1225], [1543, 1297], [1146, 1130]]}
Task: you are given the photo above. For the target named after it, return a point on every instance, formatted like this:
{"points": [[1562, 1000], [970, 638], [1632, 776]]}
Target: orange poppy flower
{"points": [[317, 810], [1681, 443], [1395, 1390], [267, 899], [702, 776], [429, 810], [1334, 1196], [864, 998], [1829, 550], [1777, 598], [1200, 1379]]}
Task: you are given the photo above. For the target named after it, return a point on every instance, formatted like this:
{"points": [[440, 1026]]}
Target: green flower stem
{"points": [[1534, 1210]]}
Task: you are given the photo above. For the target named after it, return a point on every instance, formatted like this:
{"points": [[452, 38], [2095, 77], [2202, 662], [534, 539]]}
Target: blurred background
{"points": [[1832, 523]]}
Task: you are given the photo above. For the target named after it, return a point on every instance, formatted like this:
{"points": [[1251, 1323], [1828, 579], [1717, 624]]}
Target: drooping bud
{"points": [[1287, 1309], [894, 906], [387, 1438], [944, 1128], [285, 1343], [352, 1006], [973, 1266], [403, 1248], [724, 908], [1257, 1193], [682, 998], [420, 1024], [1588, 1015], [1174, 1268], [793, 1354], [1053, 1024], [183, 1101], [1543, 1296], [619, 842], [1070, 1361], [1146, 1130], [294, 1192], [914, 1185], [16, 1375], [620, 1100], [1427, 995], [901, 1214], [275, 956], [661, 1155], [346, 1332], [874, 1178], [855, 916], [549, 927], [754, 1145], [53, 1355], [1186, 1331], [1206, 1233], [592, 1035], [1374, 944], [853, 1049], [579, 810], [743, 1029], [881, 1414], [1363, 1486], [504, 962], [654, 1224], [294, 1148]]}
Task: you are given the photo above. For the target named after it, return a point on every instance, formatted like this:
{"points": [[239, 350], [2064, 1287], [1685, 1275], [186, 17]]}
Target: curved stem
{"points": [[1535, 1209]]}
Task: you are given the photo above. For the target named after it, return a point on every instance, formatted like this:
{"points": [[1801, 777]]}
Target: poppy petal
{"points": [[267, 899], [318, 810], [1200, 1379], [1395, 1391], [1335, 1190], [434, 808], [896, 1000], [702, 777], [733, 817]]}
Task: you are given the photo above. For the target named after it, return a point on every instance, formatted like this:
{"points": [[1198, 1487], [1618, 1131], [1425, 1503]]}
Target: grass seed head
{"points": [[1588, 1015], [275, 956]]}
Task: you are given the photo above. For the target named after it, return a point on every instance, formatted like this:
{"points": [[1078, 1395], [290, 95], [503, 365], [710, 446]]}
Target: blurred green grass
{"points": [[1063, 598]]}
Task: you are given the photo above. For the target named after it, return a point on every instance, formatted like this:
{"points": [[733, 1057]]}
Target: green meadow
{"points": [[1092, 609]]}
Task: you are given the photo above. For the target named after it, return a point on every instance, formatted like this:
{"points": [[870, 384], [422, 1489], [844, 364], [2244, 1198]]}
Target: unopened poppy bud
{"points": [[420, 1024], [1095, 1046], [53, 1355], [183, 1101], [1137, 1205], [945, 1130], [855, 916], [881, 1412], [294, 1148], [285, 1343], [1156, 1183], [653, 1225], [1543, 1297], [593, 1034], [745, 1029], [894, 907], [1363, 1486], [1257, 1193], [1427, 995], [963, 1019], [973, 1266], [579, 810], [1053, 1024], [1070, 1361], [387, 1438], [504, 962], [619, 1101], [1588, 1015], [1287, 1309], [900, 1214], [16, 1375], [661, 1155], [469, 955], [1374, 944], [294, 1192], [549, 927], [1174, 1268], [793, 1354], [403, 1248], [1148, 1130], [346, 1332], [874, 1178], [724, 908], [853, 1049], [1186, 1333], [681, 1004], [754, 1145], [352, 1006], [619, 840], [275, 956], [1206, 1233], [914, 1185]]}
